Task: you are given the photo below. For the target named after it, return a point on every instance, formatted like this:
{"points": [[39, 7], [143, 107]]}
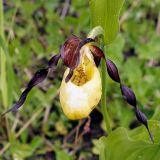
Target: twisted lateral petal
{"points": [[128, 95], [112, 71], [38, 77]]}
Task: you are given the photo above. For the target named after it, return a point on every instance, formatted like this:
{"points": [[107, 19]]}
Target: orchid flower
{"points": [[81, 87]]}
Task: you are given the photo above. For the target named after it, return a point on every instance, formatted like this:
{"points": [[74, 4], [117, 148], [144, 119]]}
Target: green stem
{"points": [[12, 20], [103, 99], [3, 68], [1, 18], [4, 89], [93, 34]]}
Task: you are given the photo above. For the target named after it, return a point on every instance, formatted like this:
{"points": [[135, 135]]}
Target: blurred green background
{"points": [[34, 31]]}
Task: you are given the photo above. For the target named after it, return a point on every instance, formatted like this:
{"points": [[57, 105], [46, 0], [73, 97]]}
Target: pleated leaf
{"points": [[131, 145], [105, 13]]}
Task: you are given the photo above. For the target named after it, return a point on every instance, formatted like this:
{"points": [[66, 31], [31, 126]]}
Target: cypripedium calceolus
{"points": [[81, 87]]}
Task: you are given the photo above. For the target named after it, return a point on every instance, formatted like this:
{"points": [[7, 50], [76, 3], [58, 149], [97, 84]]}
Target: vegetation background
{"points": [[34, 30]]}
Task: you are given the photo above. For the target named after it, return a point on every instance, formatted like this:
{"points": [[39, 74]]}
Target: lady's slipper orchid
{"points": [[80, 90], [81, 87]]}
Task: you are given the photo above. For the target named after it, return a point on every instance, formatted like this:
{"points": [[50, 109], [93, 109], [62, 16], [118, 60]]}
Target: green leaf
{"points": [[63, 155], [131, 145], [3, 46], [105, 13], [8, 84]]}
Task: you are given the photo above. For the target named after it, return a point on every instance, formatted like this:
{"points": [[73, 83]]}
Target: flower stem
{"points": [[4, 88], [3, 68], [96, 31], [103, 99]]}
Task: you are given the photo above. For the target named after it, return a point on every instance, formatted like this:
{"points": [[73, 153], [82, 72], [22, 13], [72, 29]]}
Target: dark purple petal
{"points": [[20, 101], [85, 41], [143, 119], [38, 77], [69, 76], [112, 71], [129, 95], [97, 54], [54, 60], [97, 60]]}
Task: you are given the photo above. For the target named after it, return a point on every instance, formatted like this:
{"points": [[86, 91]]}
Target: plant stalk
{"points": [[4, 88], [3, 68], [96, 31], [103, 99]]}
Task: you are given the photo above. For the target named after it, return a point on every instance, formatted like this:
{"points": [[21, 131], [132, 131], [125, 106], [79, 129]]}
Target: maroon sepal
{"points": [[70, 52], [97, 51], [97, 54]]}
